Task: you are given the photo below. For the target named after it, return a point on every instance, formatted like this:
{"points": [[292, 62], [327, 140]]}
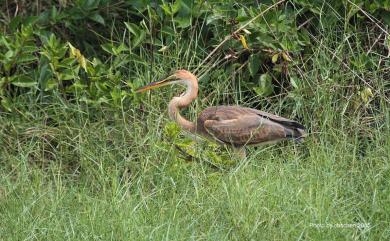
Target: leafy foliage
{"points": [[49, 51], [61, 47]]}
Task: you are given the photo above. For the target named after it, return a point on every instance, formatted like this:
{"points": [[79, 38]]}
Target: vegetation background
{"points": [[84, 157]]}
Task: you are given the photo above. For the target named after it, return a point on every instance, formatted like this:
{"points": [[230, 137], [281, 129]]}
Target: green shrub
{"points": [[85, 50]]}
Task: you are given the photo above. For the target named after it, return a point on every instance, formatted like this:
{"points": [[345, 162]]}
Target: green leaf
{"points": [[26, 58], [44, 75], [166, 8], [122, 47], [139, 34], [303, 37], [90, 4], [108, 47], [183, 22], [366, 95], [54, 12], [286, 57], [176, 6], [241, 15], [51, 84], [168, 30], [24, 81], [116, 94], [386, 17], [133, 28], [139, 39], [254, 64], [141, 5], [275, 58], [172, 130], [9, 54], [67, 74], [266, 40], [29, 49], [77, 85], [186, 8], [97, 18], [294, 82], [282, 17], [6, 103], [67, 62], [265, 87]]}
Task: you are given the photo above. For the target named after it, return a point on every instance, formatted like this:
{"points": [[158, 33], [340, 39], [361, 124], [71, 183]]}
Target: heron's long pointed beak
{"points": [[157, 84]]}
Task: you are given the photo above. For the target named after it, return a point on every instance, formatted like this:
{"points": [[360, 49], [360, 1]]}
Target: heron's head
{"points": [[179, 77]]}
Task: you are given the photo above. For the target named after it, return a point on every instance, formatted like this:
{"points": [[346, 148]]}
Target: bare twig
{"points": [[304, 23], [375, 42], [16, 10]]}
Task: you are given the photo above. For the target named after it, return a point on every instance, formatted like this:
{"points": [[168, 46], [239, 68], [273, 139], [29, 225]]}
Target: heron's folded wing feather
{"points": [[275, 118], [244, 129]]}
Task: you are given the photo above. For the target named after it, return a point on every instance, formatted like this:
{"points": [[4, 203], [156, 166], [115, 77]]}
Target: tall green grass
{"points": [[69, 171]]}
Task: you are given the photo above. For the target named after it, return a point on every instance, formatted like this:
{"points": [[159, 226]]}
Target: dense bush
{"points": [[89, 49]]}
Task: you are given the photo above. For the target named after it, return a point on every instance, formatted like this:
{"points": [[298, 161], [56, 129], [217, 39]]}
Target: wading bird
{"points": [[235, 126]]}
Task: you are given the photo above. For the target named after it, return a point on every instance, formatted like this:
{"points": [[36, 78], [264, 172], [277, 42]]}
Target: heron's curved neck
{"points": [[182, 101]]}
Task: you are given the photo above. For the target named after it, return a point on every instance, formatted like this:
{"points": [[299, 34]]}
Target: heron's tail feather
{"points": [[296, 134]]}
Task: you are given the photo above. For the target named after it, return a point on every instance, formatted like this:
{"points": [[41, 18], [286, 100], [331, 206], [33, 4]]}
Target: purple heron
{"points": [[235, 126]]}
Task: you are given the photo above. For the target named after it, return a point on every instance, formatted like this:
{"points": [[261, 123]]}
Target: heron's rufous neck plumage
{"points": [[179, 102]]}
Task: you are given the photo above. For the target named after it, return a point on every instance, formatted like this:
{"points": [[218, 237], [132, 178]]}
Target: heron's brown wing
{"points": [[278, 119], [241, 126], [245, 130]]}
